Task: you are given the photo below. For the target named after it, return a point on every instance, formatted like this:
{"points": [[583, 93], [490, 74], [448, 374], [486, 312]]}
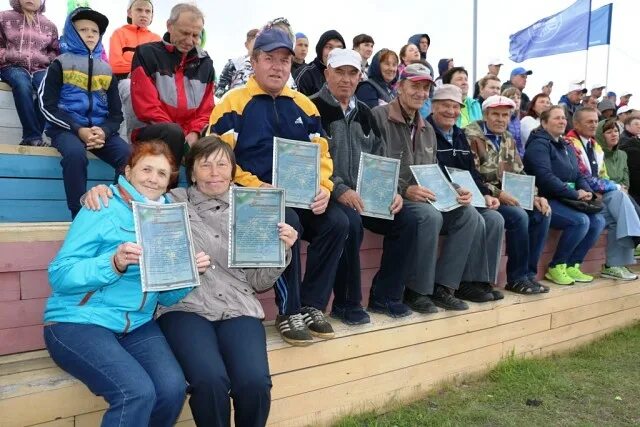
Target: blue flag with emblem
{"points": [[600, 28], [566, 31]]}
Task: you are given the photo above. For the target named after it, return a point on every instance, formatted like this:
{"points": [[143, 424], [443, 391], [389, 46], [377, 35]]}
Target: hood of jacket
{"points": [[415, 39], [15, 5], [443, 66], [324, 38], [601, 141], [71, 42], [540, 133], [376, 73]]}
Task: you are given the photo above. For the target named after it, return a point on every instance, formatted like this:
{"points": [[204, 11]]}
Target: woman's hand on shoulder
{"points": [[203, 261], [91, 199], [287, 234]]}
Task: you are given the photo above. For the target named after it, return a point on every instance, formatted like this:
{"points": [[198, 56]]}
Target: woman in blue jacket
{"points": [[99, 323], [555, 167]]}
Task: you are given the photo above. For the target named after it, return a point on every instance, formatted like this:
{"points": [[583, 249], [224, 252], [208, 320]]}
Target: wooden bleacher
{"points": [[363, 368]]}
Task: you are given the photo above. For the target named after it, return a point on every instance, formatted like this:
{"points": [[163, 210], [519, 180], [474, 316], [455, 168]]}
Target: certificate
{"points": [[464, 179], [168, 260], [296, 168], [377, 184], [431, 177], [521, 187], [254, 240]]}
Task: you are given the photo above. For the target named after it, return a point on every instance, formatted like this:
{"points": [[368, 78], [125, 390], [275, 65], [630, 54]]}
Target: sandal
{"points": [[522, 286], [542, 288]]}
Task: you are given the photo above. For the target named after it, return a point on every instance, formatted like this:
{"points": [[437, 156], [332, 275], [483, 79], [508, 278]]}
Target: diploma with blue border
{"points": [[377, 184], [168, 259], [254, 240], [432, 177], [521, 187], [296, 168], [464, 179]]}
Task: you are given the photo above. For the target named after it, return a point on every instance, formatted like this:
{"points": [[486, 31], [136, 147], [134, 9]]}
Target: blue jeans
{"points": [[580, 232], [526, 233], [136, 373], [74, 162], [23, 86], [222, 360]]}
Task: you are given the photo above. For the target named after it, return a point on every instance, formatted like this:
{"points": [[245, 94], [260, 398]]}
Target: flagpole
{"points": [[475, 40], [606, 78], [586, 62]]}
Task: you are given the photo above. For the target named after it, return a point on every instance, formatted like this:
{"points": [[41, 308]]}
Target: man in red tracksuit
{"points": [[172, 83]]}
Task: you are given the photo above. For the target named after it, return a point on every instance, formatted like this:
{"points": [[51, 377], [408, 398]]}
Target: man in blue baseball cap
{"points": [[518, 79]]}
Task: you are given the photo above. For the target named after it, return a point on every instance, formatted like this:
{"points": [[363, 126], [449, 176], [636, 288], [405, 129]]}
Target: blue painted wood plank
{"points": [[34, 211], [25, 166], [37, 189]]}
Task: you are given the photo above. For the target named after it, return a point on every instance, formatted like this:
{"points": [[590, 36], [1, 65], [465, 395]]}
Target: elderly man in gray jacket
{"points": [[412, 140], [351, 131]]}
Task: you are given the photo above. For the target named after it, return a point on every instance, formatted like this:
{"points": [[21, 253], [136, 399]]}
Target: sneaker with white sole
{"points": [[618, 273], [317, 322], [293, 329]]}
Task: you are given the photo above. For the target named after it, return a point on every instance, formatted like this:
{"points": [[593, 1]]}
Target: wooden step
{"points": [[364, 367]]}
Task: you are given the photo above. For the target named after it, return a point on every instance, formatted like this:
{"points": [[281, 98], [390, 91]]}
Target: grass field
{"points": [[597, 385]]}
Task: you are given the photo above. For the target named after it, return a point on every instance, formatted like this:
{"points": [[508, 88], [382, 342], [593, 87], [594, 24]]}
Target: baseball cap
{"points": [[611, 93], [448, 92], [576, 87], [519, 71], [91, 15], [598, 86], [270, 39], [626, 93], [624, 109], [301, 36], [495, 61], [340, 57], [495, 101], [416, 73]]}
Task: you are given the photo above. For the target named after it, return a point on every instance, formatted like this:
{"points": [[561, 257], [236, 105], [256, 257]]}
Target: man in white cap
{"points": [[596, 90], [453, 151], [571, 101], [623, 114], [433, 279], [493, 70], [625, 96], [495, 152], [352, 131]]}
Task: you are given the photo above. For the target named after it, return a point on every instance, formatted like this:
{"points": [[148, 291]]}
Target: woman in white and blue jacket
{"points": [[99, 323]]}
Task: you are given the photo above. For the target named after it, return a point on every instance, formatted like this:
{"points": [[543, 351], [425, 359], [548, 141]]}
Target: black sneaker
{"points": [[391, 308], [293, 329], [497, 295], [418, 302], [474, 292], [443, 298], [350, 315], [317, 322]]}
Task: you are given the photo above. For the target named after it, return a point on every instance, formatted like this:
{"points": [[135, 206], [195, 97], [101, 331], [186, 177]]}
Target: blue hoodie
{"points": [[79, 89], [375, 89]]}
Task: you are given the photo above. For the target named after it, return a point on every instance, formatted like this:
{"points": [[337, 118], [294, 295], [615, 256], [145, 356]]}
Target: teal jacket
{"points": [[471, 112], [85, 287]]}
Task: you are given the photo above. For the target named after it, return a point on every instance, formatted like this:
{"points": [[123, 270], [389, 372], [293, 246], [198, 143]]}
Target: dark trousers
{"points": [[580, 232], [326, 234], [74, 162], [170, 133], [136, 373], [388, 283], [222, 360], [23, 86], [526, 233]]}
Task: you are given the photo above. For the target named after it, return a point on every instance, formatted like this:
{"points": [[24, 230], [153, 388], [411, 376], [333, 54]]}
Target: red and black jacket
{"points": [[168, 86]]}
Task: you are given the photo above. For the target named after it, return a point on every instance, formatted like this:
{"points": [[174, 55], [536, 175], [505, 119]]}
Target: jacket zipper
{"points": [[90, 110], [275, 110], [126, 315]]}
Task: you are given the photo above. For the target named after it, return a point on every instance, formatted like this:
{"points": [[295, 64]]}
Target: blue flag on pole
{"points": [[600, 28], [566, 31]]}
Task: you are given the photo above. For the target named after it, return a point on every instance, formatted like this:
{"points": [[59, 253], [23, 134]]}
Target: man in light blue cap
{"points": [[300, 50], [518, 79]]}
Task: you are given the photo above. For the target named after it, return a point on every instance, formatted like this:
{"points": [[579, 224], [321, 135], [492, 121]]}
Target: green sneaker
{"points": [[618, 273], [577, 275], [558, 275], [636, 252]]}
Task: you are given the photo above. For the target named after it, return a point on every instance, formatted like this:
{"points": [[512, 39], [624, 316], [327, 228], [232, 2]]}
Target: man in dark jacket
{"points": [[310, 78], [518, 79], [172, 83], [454, 151], [351, 131], [571, 102]]}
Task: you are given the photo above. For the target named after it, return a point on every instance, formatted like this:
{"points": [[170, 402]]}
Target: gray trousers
{"points": [[460, 226], [622, 225], [483, 266]]}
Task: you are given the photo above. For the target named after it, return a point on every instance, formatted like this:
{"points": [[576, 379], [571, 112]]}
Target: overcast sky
{"points": [[448, 23]]}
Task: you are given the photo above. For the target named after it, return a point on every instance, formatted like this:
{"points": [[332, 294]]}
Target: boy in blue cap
{"points": [[80, 101]]}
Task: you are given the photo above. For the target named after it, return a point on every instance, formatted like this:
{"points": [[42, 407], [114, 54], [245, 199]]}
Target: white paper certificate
{"points": [[521, 187], [431, 177], [377, 184], [168, 260], [296, 168], [254, 240], [464, 179]]}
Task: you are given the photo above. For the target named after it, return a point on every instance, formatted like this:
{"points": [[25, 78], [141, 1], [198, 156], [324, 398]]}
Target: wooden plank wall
{"points": [[10, 127], [367, 367]]}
